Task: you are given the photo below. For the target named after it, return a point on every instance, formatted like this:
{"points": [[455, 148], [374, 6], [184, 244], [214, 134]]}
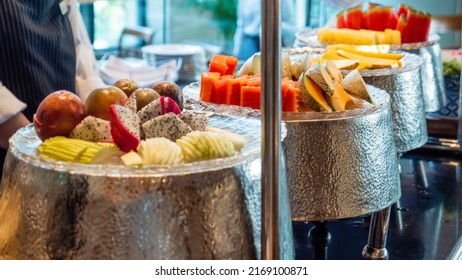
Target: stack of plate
{"points": [[192, 58]]}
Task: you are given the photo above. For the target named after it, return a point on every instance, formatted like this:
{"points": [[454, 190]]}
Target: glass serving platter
{"points": [[24, 145], [309, 37], [192, 101]]}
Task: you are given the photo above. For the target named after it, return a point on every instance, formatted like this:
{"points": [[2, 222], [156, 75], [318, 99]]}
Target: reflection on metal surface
{"points": [[456, 253], [375, 248]]}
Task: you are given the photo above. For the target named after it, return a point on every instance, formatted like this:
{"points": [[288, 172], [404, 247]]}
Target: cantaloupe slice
{"points": [[320, 76], [346, 64], [311, 96], [333, 70], [300, 65], [354, 84], [340, 100]]}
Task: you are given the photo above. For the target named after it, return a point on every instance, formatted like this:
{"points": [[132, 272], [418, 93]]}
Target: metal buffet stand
{"points": [[271, 126]]}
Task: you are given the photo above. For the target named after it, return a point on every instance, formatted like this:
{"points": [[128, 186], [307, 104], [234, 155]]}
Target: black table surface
{"points": [[425, 224]]}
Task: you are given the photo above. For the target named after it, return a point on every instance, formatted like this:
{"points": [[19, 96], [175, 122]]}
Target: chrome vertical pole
{"points": [[271, 125]]}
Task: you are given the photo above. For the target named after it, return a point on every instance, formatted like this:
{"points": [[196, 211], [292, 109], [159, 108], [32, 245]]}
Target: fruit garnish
{"points": [[99, 153], [62, 148], [237, 140], [195, 120], [125, 127]]}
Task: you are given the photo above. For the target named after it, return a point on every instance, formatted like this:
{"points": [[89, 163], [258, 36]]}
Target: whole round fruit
{"points": [[126, 85], [58, 114], [170, 89], [144, 96], [100, 100]]}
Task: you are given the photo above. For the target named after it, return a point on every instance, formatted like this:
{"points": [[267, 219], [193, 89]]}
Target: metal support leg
{"points": [[320, 237], [378, 230]]}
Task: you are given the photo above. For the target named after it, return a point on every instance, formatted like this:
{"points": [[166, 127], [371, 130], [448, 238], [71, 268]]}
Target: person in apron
{"points": [[37, 57]]}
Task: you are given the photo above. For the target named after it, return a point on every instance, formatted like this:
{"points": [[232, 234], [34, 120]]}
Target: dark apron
{"points": [[37, 52]]}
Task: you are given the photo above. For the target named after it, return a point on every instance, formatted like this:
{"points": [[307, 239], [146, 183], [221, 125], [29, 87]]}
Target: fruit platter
{"points": [[325, 119], [97, 185], [401, 28]]}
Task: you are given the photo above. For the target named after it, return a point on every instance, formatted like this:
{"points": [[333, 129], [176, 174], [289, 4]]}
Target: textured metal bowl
{"points": [[341, 164], [338, 164], [203, 210]]}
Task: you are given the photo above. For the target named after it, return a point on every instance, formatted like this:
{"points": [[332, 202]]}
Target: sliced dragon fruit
{"points": [[197, 121], [130, 103], [125, 127], [92, 129], [159, 106], [168, 125]]}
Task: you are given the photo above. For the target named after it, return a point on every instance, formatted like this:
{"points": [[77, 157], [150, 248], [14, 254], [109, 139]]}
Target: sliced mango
{"points": [[377, 63]]}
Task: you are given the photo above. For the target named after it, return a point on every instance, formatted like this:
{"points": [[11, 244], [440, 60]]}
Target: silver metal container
{"points": [[341, 164], [407, 102], [203, 210]]}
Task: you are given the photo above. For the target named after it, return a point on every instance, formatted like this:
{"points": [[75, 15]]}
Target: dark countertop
{"points": [[425, 224]]}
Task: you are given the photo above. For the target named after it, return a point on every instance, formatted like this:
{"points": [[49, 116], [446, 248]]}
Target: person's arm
{"points": [[87, 68], [11, 118]]}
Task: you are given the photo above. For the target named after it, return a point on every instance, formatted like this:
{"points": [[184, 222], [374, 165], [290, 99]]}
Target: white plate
{"points": [[173, 49]]}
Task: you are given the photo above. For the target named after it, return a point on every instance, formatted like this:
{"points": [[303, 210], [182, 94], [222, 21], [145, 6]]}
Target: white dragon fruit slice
{"points": [[160, 151], [92, 129], [159, 106], [125, 127], [130, 103], [168, 125], [197, 121]]}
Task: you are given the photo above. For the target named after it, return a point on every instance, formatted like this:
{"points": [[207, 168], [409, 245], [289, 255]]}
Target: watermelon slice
{"points": [[401, 26], [403, 10], [372, 5], [353, 17], [340, 20], [381, 18]]}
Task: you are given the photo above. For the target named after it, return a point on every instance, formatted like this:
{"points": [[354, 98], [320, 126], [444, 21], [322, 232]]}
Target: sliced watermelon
{"points": [[353, 17], [381, 18], [403, 10], [425, 27], [372, 5], [340, 20], [401, 26]]}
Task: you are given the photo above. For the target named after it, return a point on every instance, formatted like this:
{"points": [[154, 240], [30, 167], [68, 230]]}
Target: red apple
{"points": [[58, 114], [100, 100]]}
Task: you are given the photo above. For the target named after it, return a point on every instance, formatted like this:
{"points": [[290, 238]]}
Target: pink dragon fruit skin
{"points": [[168, 125], [159, 106], [197, 121], [125, 127], [92, 129]]}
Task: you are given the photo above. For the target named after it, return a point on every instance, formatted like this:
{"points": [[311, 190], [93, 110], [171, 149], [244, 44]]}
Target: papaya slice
{"points": [[206, 88], [233, 90], [250, 97], [223, 64], [220, 89]]}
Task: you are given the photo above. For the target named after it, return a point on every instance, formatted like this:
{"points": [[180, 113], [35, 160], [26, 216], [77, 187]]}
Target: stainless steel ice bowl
{"points": [[204, 210], [341, 164]]}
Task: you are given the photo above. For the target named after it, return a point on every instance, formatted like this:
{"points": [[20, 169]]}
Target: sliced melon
{"points": [[320, 76], [311, 96], [340, 100], [354, 84], [346, 64], [300, 65], [333, 70], [99, 153], [285, 65]]}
